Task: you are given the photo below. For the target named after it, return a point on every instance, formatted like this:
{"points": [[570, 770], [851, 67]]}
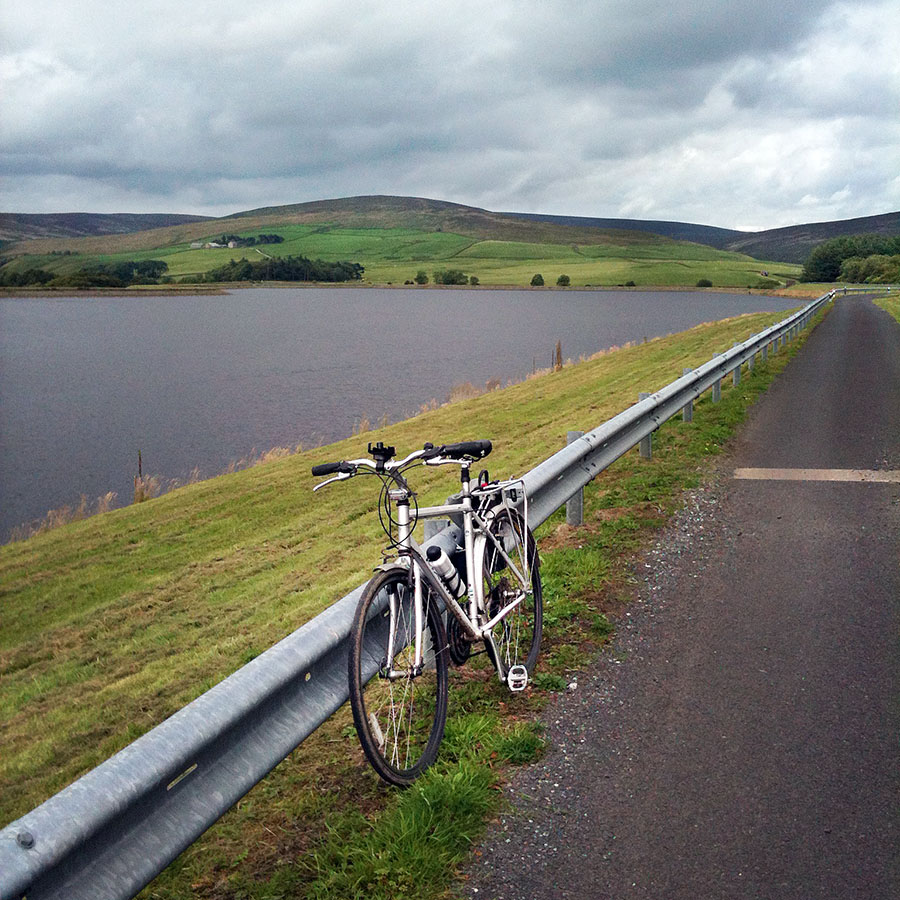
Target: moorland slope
{"points": [[39, 233]]}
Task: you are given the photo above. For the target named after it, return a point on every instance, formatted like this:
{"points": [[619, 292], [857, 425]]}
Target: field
{"points": [[395, 255], [113, 623]]}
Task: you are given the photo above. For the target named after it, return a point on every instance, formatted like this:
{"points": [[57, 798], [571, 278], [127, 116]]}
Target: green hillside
{"points": [[393, 254], [621, 237]]}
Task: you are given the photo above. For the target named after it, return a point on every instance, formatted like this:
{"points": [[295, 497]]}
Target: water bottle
{"points": [[441, 564]]}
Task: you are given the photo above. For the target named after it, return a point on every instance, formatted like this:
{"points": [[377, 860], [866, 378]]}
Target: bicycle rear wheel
{"points": [[399, 712], [517, 637]]}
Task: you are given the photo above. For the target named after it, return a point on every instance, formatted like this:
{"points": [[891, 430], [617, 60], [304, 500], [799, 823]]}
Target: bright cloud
{"points": [[718, 111]]}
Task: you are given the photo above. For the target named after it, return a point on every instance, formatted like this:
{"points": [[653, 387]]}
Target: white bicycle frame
{"points": [[476, 538]]}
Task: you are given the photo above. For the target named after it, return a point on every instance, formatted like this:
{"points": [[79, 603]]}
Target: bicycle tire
{"points": [[400, 721], [517, 637]]}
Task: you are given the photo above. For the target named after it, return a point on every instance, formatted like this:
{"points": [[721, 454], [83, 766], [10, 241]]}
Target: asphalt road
{"points": [[741, 739]]}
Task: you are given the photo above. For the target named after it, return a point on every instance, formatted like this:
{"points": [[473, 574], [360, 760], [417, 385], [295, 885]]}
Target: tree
{"points": [[537, 280], [450, 276], [825, 261], [874, 269], [286, 268], [563, 281], [421, 277], [9, 278], [473, 280]]}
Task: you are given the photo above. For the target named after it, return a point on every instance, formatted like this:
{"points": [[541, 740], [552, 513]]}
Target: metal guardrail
{"points": [[114, 829]]}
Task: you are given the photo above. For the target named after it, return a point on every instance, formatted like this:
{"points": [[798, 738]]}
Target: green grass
{"points": [[113, 623], [394, 255], [890, 303]]}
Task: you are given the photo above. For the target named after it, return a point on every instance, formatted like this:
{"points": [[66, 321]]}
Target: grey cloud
{"points": [[592, 107], [633, 43]]}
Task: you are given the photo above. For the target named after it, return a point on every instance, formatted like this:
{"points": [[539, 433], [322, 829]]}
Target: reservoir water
{"points": [[85, 383]]}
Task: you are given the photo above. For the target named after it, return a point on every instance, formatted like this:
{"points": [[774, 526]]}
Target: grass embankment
{"points": [[890, 303], [111, 624], [394, 255]]}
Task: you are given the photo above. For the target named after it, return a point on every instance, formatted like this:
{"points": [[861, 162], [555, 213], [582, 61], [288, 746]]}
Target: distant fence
{"points": [[117, 827]]}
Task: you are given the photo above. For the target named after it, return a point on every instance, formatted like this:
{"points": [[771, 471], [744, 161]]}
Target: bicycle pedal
{"points": [[517, 678]]}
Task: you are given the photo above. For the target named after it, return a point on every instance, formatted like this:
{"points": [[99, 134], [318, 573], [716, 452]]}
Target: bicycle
{"points": [[400, 647]]}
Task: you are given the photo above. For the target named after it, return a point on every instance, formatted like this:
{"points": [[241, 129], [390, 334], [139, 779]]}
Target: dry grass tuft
{"points": [[54, 518], [464, 391]]}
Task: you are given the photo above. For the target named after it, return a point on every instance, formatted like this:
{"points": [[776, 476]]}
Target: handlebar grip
{"points": [[472, 449], [331, 468]]}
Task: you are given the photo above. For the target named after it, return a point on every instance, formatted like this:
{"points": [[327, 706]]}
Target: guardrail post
{"points": [[647, 442], [751, 363], [575, 503], [736, 374], [687, 411], [717, 391], [765, 353]]}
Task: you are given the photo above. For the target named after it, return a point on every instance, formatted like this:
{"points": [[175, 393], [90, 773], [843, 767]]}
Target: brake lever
{"points": [[342, 477]]}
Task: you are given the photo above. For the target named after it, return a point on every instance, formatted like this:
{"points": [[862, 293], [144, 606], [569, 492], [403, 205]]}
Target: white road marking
{"points": [[877, 476]]}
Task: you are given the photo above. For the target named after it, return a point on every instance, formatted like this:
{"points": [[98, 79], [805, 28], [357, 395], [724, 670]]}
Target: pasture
{"points": [[395, 255]]}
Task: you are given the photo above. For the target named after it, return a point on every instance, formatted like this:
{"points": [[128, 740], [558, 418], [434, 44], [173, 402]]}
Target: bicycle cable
{"points": [[386, 510]]}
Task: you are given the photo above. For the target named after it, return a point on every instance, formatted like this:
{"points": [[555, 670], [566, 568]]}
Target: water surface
{"points": [[203, 381]]}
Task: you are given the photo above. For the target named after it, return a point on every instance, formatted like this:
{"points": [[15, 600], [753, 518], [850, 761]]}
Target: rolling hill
{"points": [[790, 244], [15, 227], [396, 238], [795, 243], [35, 234]]}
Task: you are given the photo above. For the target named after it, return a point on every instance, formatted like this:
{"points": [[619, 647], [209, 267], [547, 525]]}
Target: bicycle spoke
{"points": [[517, 635], [399, 712]]}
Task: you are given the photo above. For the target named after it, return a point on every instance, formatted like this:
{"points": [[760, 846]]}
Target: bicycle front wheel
{"points": [[510, 571], [399, 710]]}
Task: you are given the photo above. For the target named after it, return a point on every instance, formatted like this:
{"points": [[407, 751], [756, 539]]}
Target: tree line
{"points": [[120, 274], [153, 271], [285, 268], [860, 259], [239, 241]]}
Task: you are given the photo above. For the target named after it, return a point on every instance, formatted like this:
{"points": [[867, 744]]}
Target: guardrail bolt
{"points": [[25, 839], [647, 442], [687, 411], [575, 503]]}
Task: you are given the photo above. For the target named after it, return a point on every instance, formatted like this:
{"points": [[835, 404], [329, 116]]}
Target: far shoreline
{"points": [[225, 288]]}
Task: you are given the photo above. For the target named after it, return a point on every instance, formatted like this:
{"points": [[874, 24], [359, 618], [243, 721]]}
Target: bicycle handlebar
{"points": [[464, 451], [332, 468]]}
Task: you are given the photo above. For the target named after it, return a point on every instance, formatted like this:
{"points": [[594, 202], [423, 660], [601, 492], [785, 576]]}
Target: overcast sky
{"points": [[738, 113]]}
